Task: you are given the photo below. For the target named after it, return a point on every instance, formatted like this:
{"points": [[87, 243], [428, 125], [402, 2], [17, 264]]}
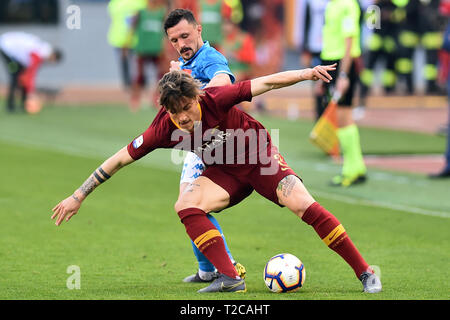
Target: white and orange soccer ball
{"points": [[284, 273]]}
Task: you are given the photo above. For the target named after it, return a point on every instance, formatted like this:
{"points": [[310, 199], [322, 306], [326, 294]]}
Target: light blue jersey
{"points": [[203, 66], [206, 64]]}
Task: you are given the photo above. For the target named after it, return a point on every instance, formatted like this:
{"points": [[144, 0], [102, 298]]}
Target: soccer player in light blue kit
{"points": [[210, 67]]}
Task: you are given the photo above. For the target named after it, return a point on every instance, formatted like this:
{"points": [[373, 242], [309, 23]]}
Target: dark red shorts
{"points": [[240, 180]]}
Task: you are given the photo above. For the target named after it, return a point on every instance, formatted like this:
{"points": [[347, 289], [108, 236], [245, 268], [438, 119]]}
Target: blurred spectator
{"points": [[239, 47], [253, 11], [147, 26], [381, 46], [121, 13], [269, 37], [420, 24], [430, 27], [23, 55], [211, 19], [406, 17], [312, 45], [236, 11], [191, 5], [263, 19], [445, 76]]}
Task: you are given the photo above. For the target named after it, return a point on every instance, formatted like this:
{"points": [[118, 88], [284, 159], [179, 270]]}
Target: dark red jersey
{"points": [[225, 134]]}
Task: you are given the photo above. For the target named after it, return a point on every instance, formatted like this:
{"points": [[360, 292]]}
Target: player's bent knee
{"points": [[184, 203], [292, 194]]}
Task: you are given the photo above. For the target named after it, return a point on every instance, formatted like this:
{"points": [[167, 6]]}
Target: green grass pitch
{"points": [[128, 241]]}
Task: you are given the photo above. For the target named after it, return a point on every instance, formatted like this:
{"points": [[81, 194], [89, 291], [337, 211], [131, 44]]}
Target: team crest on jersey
{"points": [[138, 141]]}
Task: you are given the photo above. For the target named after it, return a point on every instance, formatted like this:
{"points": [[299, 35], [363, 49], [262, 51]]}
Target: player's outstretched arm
{"points": [[70, 206], [288, 78], [221, 79]]}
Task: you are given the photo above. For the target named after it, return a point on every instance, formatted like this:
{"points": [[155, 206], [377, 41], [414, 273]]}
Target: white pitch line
{"points": [[379, 204]]}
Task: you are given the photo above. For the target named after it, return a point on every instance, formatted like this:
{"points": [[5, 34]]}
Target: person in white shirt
{"points": [[23, 55]]}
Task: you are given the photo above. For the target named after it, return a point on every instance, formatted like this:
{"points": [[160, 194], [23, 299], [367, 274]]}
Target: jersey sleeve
{"points": [[156, 136], [221, 99], [217, 65]]}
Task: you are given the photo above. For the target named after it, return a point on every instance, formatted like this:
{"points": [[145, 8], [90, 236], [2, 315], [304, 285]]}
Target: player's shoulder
{"points": [[210, 54], [162, 122]]}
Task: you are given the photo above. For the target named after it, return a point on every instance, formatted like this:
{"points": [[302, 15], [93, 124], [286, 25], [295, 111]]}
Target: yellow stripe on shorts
{"points": [[208, 235], [333, 235]]}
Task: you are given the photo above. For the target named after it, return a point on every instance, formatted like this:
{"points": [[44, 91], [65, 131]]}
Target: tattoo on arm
{"points": [[88, 186], [286, 185], [76, 198]]}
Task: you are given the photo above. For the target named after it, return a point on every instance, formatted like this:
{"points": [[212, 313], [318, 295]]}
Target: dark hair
{"points": [[176, 16], [176, 85]]}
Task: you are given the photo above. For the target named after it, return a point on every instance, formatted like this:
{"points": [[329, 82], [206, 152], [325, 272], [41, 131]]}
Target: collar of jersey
{"points": [[176, 124]]}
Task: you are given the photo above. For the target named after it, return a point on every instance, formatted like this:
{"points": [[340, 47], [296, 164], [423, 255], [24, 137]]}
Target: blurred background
{"points": [[399, 217], [271, 36], [277, 28]]}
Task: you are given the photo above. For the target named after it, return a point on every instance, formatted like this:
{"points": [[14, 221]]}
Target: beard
{"points": [[187, 53]]}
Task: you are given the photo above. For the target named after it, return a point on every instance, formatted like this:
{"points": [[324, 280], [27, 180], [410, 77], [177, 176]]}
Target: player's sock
{"points": [[206, 268], [353, 162], [333, 234], [208, 239], [217, 225]]}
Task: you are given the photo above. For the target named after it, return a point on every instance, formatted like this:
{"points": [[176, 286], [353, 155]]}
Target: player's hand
{"points": [[66, 209], [320, 73], [175, 65]]}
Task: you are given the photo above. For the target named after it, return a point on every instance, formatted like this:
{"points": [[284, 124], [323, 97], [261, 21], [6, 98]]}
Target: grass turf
{"points": [[129, 243]]}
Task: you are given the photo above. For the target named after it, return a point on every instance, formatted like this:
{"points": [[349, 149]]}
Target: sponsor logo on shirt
{"points": [[138, 141]]}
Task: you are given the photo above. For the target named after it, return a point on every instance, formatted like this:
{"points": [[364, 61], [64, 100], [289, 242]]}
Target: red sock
{"points": [[333, 234], [208, 240]]}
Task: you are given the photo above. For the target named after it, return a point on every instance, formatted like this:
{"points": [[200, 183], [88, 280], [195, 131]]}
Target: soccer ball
{"points": [[284, 273]]}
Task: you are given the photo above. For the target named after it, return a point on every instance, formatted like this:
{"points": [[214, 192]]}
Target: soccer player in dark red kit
{"points": [[239, 158]]}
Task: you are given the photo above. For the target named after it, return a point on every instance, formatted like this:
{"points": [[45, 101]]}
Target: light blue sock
{"points": [[203, 262]]}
